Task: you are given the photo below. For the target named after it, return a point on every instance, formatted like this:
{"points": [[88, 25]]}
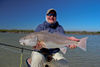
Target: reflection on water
{"points": [[76, 57]]}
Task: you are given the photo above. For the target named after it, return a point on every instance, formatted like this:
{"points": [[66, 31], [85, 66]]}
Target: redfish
{"points": [[51, 40]]}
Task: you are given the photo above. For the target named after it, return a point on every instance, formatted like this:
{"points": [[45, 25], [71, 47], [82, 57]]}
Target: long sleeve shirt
{"points": [[55, 27]]}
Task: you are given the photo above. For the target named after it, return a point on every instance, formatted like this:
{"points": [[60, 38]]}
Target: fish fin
{"points": [[82, 43], [63, 50]]}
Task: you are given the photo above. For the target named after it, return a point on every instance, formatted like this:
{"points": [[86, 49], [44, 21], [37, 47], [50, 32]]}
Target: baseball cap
{"points": [[51, 12]]}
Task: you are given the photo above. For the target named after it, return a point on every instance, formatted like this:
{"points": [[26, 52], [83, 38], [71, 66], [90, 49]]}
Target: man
{"points": [[51, 25]]}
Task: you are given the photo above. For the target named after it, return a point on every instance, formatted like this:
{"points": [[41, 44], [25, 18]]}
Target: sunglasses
{"points": [[50, 14]]}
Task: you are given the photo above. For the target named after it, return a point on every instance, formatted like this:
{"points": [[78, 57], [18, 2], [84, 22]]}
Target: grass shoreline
{"points": [[30, 31]]}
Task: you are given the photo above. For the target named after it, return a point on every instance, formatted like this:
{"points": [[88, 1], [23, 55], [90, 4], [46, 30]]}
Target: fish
{"points": [[52, 40]]}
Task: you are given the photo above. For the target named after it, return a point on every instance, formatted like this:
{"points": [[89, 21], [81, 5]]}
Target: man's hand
{"points": [[73, 38], [72, 46], [39, 45]]}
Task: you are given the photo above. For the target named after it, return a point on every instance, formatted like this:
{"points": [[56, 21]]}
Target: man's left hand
{"points": [[73, 38]]}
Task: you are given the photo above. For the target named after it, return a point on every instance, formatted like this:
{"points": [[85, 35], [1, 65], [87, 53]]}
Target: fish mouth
{"points": [[22, 43]]}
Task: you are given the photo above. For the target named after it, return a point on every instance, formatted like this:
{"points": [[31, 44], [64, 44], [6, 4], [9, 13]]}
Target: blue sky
{"points": [[73, 15]]}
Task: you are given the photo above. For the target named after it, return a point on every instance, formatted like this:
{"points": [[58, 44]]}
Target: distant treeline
{"points": [[82, 32], [16, 31], [30, 31]]}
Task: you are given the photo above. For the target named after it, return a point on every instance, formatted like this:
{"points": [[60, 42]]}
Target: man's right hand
{"points": [[39, 45]]}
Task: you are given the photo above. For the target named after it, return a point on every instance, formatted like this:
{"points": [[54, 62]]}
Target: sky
{"points": [[73, 15]]}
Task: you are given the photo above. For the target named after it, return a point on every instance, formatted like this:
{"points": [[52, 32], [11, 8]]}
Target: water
{"points": [[10, 57]]}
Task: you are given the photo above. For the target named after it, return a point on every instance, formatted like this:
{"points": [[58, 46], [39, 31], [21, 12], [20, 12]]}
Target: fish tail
{"points": [[82, 43]]}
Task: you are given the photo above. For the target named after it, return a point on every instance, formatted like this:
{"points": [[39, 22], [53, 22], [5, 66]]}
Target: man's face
{"points": [[51, 19]]}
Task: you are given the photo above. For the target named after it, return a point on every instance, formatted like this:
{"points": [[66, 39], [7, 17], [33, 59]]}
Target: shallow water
{"points": [[10, 57]]}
